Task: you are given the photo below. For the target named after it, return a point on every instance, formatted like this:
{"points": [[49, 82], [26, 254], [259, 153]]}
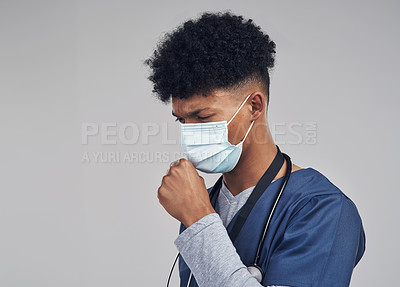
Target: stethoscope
{"points": [[261, 186]]}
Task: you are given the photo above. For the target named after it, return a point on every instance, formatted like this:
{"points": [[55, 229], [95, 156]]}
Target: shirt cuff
{"points": [[195, 228]]}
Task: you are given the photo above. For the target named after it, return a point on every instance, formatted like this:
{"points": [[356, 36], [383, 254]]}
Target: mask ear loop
{"points": [[252, 122], [239, 109]]}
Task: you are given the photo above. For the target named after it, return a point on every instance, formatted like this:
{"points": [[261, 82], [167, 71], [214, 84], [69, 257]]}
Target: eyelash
{"points": [[201, 118]]}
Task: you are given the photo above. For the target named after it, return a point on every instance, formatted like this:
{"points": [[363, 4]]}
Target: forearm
{"points": [[209, 253]]}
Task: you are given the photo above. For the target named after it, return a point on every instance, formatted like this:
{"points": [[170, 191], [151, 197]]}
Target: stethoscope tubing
{"points": [[271, 214]]}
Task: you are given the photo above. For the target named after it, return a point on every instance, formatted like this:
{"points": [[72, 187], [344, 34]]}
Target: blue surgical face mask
{"points": [[207, 147]]}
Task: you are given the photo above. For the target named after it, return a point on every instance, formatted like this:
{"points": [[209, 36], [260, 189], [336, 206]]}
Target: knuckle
{"points": [[172, 169], [160, 192], [166, 179], [183, 162]]}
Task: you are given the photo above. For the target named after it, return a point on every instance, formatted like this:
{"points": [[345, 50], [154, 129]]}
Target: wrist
{"points": [[192, 218]]}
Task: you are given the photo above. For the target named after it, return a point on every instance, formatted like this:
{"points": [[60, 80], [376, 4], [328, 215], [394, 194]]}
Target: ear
{"points": [[258, 104]]}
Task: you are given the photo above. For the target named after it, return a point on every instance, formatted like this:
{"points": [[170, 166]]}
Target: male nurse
{"points": [[215, 69]]}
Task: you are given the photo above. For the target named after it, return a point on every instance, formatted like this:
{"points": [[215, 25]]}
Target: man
{"points": [[216, 71]]}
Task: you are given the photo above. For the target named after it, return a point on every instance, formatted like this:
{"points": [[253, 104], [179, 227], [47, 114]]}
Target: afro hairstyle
{"points": [[216, 51]]}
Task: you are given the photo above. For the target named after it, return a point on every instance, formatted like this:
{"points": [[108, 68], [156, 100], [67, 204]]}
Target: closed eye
{"points": [[205, 118], [181, 120], [202, 118]]}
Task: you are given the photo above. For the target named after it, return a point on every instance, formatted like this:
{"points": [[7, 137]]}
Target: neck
{"points": [[255, 160]]}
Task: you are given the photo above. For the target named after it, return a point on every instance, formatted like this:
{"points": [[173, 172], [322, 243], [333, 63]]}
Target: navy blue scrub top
{"points": [[315, 237]]}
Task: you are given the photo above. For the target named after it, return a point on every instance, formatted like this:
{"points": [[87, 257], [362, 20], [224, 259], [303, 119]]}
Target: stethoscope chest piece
{"points": [[256, 272]]}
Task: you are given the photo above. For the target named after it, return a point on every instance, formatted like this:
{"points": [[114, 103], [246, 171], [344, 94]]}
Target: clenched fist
{"points": [[183, 193]]}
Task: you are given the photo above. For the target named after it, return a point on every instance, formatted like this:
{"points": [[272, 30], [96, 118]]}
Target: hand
{"points": [[183, 193]]}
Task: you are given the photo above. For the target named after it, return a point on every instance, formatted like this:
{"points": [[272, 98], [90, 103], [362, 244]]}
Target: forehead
{"points": [[216, 101]]}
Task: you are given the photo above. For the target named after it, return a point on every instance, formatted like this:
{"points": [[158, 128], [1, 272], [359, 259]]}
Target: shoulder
{"points": [[322, 233], [309, 184], [310, 191], [309, 181]]}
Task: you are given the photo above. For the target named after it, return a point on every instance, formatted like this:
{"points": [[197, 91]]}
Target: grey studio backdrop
{"points": [[84, 144]]}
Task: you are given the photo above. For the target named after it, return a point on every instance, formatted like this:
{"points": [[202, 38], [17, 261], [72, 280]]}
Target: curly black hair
{"points": [[218, 50]]}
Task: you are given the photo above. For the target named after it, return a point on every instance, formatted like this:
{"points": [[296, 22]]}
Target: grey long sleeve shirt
{"points": [[207, 249]]}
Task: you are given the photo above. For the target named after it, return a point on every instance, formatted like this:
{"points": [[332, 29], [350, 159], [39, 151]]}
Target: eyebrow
{"points": [[193, 113]]}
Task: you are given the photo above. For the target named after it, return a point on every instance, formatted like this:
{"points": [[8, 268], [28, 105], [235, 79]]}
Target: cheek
{"points": [[238, 127], [236, 132], [233, 137]]}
